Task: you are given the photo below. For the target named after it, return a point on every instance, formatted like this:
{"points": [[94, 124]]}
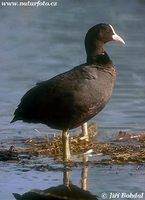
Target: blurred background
{"points": [[37, 43]]}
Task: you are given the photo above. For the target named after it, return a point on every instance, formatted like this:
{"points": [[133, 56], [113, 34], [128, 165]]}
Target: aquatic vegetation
{"points": [[124, 148]]}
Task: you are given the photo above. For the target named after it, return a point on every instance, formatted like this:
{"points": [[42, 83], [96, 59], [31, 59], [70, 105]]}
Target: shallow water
{"points": [[38, 43]]}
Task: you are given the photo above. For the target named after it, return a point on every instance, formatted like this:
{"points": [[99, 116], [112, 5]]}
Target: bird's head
{"points": [[103, 33], [95, 39]]}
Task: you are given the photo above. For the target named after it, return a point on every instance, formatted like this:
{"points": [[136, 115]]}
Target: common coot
{"points": [[70, 99]]}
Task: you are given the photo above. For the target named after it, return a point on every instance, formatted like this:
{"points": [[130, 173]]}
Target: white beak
{"points": [[117, 38]]}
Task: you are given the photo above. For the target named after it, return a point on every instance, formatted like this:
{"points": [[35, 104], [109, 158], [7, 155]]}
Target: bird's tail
{"points": [[17, 196], [14, 119]]}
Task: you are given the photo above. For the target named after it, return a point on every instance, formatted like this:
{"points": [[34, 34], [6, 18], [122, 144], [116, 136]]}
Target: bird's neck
{"points": [[96, 53]]}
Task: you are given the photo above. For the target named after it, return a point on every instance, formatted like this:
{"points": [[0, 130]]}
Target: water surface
{"points": [[38, 43]]}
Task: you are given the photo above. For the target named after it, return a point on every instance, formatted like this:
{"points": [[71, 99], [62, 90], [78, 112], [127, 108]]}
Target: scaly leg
{"points": [[85, 131], [66, 146]]}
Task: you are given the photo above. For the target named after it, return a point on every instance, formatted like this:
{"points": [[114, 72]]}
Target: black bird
{"points": [[70, 99]]}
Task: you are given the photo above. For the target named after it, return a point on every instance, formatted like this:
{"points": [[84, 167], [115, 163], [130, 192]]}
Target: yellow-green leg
{"points": [[85, 131], [66, 146]]}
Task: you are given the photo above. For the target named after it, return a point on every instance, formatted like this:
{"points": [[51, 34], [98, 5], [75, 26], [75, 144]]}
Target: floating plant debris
{"points": [[120, 149], [10, 154]]}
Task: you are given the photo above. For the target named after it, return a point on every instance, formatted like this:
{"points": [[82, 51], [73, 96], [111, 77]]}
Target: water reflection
{"points": [[36, 44], [67, 190]]}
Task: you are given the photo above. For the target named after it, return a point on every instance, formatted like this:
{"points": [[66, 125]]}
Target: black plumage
{"points": [[72, 98], [69, 99]]}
